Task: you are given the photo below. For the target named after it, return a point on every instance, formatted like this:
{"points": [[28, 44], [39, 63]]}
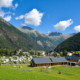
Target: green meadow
{"points": [[24, 72]]}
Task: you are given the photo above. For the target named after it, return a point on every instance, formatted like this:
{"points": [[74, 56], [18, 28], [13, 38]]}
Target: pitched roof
{"points": [[76, 58], [41, 60], [40, 51], [59, 60]]}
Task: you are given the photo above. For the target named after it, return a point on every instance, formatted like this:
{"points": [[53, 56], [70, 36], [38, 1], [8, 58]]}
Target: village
{"points": [[42, 62], [42, 59]]}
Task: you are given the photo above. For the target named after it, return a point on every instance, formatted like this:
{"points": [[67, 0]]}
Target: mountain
{"points": [[72, 34], [54, 34], [41, 39], [11, 38], [70, 44], [47, 42], [26, 27]]}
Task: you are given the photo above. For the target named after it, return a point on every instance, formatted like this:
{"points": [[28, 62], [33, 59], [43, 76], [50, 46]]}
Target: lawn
{"points": [[9, 72]]}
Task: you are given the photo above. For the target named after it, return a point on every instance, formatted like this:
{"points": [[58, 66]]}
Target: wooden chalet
{"points": [[73, 58], [38, 62], [58, 61]]}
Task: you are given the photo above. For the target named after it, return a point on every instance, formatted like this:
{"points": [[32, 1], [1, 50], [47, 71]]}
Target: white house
{"points": [[42, 53], [69, 54], [26, 53]]}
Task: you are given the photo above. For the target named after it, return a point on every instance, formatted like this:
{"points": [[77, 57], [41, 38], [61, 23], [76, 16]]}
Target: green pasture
{"points": [[25, 72]]}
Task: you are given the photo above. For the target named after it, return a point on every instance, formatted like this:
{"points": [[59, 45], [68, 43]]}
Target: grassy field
{"points": [[9, 72]]}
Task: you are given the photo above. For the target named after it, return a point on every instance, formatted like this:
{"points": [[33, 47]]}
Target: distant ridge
{"points": [[26, 27], [54, 34]]}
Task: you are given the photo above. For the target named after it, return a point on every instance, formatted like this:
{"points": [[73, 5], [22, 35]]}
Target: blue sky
{"points": [[43, 15]]}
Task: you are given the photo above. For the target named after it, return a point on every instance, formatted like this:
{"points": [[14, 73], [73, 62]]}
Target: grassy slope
{"points": [[68, 73], [11, 38]]}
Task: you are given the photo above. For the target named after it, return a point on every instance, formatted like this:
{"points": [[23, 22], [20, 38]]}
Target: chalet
{"points": [[38, 62], [42, 53], [58, 61], [51, 53], [73, 58]]}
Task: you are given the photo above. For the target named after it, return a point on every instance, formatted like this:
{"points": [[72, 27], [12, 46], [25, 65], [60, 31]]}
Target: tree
{"points": [[55, 54], [39, 53], [65, 53], [32, 53], [21, 53], [6, 52], [15, 52], [46, 53], [10, 53]]}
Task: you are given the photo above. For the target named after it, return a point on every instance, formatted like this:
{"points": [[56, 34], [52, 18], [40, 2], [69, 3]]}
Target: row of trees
{"points": [[64, 53], [9, 53]]}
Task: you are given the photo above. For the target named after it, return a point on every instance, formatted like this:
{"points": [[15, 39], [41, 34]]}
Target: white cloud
{"points": [[62, 25], [13, 13], [6, 3], [16, 5], [20, 17], [8, 18], [33, 17], [8, 12], [2, 13], [77, 28], [23, 24], [49, 31]]}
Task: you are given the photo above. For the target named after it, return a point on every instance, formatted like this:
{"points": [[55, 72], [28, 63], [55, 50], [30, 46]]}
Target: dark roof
{"points": [[41, 60], [76, 58], [59, 59]]}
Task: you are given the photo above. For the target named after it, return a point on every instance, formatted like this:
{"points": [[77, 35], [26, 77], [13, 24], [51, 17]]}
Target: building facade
{"points": [[68, 60]]}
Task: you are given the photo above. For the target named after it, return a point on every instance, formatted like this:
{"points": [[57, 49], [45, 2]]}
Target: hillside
{"points": [[71, 44], [44, 40], [11, 38], [41, 39]]}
